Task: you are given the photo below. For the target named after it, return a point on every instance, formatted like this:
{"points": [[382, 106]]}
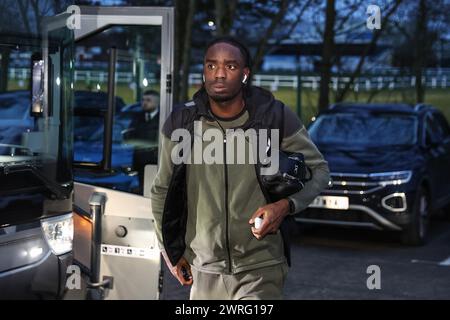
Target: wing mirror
{"points": [[37, 85]]}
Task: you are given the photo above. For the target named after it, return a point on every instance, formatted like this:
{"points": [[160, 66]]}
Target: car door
{"points": [[437, 156], [443, 131], [121, 53]]}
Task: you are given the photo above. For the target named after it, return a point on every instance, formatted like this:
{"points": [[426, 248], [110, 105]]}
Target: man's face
{"points": [[150, 102], [224, 71]]}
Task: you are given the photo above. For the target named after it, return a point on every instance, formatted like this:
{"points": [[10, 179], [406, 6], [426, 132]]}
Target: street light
{"points": [[211, 25]]}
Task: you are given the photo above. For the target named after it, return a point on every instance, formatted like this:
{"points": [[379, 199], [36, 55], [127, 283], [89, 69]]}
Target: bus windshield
{"points": [[36, 76]]}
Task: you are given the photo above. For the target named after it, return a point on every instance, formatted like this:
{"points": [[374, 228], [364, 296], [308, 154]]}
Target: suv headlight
{"points": [[59, 233], [389, 178]]}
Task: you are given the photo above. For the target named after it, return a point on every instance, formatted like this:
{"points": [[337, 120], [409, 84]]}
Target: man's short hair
{"points": [[235, 43], [151, 93]]}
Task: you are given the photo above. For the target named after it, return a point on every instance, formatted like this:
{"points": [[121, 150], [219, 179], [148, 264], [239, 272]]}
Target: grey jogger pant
{"points": [[259, 284]]}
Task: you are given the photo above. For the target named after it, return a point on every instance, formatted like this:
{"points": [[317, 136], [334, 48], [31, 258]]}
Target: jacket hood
{"points": [[257, 101]]}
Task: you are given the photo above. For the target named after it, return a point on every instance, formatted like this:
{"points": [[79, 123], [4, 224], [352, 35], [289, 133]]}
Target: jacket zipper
{"points": [[227, 238], [258, 178], [226, 202]]}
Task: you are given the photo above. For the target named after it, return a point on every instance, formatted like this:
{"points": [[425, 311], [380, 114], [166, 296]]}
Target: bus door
{"points": [[122, 95]]}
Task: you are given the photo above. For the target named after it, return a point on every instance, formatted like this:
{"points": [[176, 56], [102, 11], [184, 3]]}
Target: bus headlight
{"points": [[59, 233]]}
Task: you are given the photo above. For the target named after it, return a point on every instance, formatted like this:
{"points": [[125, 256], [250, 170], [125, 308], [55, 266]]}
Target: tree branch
{"points": [[294, 24], [187, 51], [224, 16], [344, 20], [340, 97], [35, 6], [402, 30], [23, 12], [268, 34]]}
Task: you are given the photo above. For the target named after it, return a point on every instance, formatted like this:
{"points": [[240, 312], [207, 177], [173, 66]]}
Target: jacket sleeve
{"points": [[297, 139], [158, 191]]}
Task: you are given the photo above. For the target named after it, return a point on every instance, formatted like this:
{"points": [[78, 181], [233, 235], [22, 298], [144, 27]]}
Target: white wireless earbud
{"points": [[245, 79], [204, 78]]}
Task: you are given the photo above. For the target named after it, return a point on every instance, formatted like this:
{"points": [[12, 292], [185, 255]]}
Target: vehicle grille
{"points": [[352, 184], [336, 215]]}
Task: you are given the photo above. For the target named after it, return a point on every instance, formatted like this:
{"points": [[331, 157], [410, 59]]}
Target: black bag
{"points": [[290, 178]]}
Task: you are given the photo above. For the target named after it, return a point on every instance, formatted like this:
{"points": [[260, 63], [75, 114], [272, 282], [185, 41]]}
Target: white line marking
{"points": [[446, 262], [424, 261]]}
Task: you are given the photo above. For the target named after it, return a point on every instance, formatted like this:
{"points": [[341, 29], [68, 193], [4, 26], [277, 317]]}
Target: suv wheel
{"points": [[416, 232]]}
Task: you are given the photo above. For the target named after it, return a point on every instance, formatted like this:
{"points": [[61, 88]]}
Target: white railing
{"points": [[363, 83], [433, 80]]}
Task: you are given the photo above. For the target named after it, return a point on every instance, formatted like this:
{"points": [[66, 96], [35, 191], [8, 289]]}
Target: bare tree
{"points": [[5, 51], [225, 13], [270, 16], [5, 58], [58, 6], [33, 11], [377, 34], [327, 55], [186, 53], [22, 16], [420, 48], [184, 25], [23, 7], [262, 45], [37, 14]]}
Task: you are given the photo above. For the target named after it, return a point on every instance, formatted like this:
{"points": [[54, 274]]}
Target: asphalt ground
{"points": [[331, 263]]}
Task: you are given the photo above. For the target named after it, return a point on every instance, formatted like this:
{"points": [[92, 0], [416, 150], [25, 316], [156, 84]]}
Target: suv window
{"points": [[364, 129], [432, 132], [442, 125]]}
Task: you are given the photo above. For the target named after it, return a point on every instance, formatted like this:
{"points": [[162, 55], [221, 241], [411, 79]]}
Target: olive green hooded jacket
{"points": [[202, 210]]}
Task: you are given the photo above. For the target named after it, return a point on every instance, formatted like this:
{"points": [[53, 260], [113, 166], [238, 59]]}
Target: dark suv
{"points": [[390, 167]]}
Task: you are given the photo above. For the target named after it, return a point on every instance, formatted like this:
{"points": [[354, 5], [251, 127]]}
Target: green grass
{"points": [[440, 98]]}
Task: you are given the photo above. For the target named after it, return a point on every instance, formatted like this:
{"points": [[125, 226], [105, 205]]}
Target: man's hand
{"points": [[273, 215], [177, 271]]}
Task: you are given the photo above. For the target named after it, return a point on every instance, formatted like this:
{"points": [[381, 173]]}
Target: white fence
{"points": [[432, 80], [87, 76], [362, 83]]}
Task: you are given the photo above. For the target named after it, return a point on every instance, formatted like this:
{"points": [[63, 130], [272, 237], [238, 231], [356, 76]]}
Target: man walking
{"points": [[205, 211]]}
